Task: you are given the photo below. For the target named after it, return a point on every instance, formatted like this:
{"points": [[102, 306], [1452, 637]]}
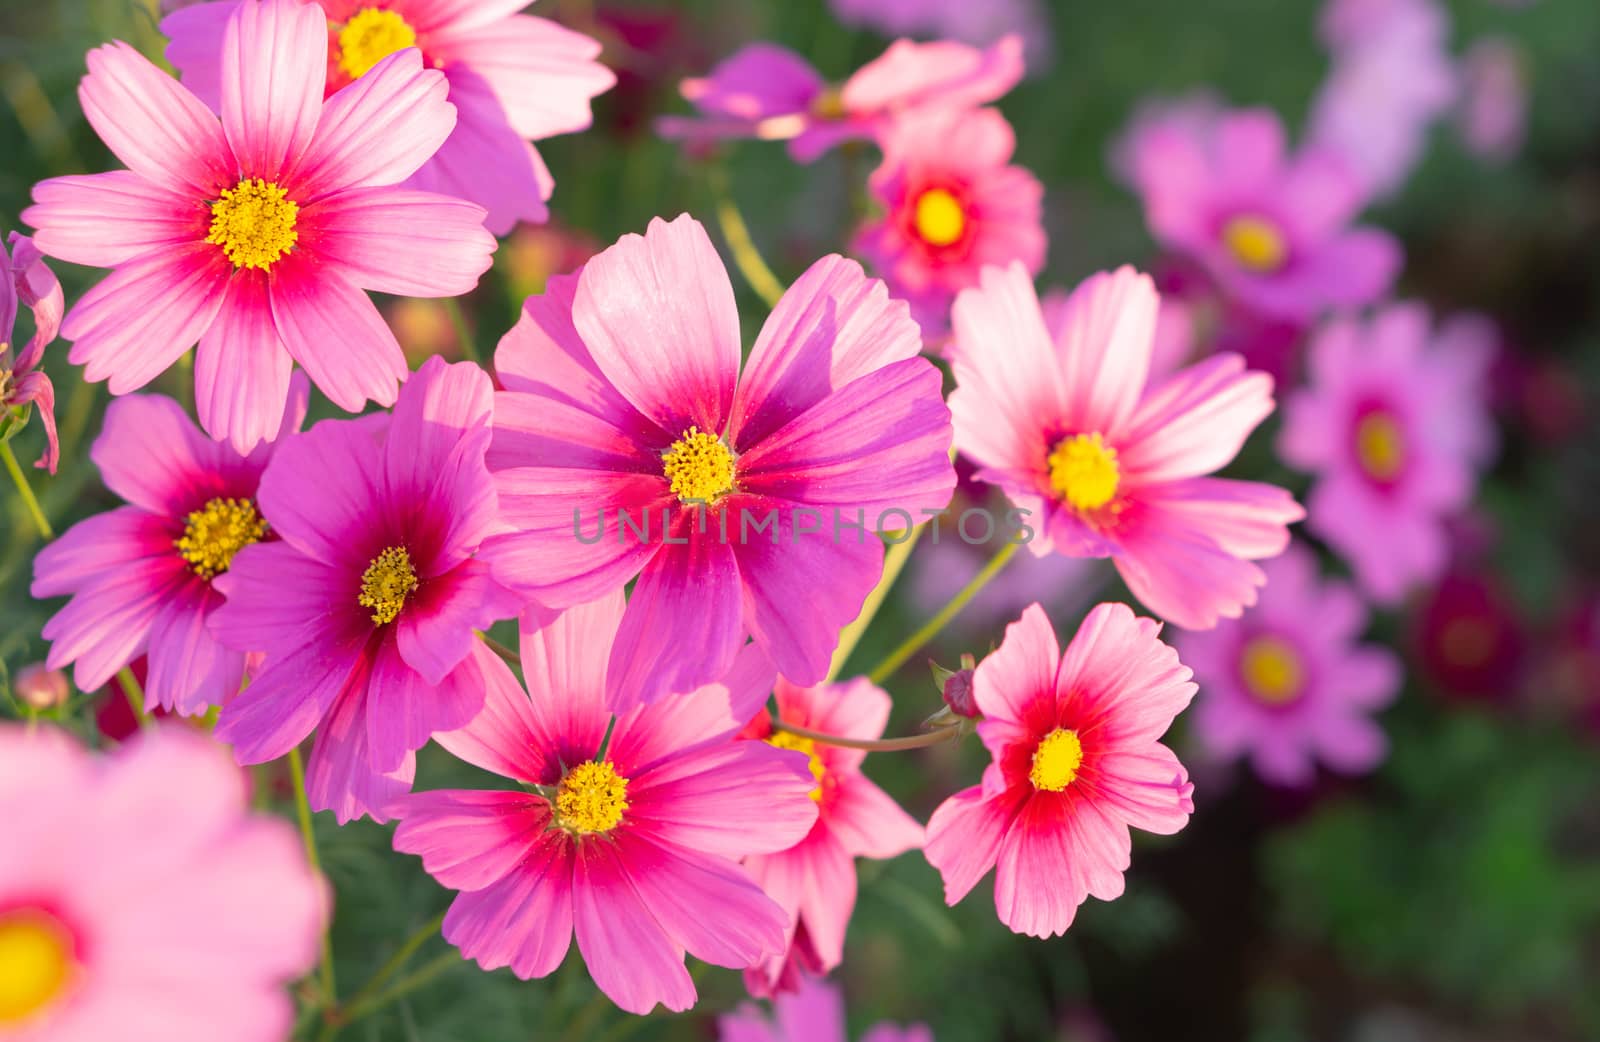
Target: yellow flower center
{"points": [[217, 531], [785, 740], [386, 584], [829, 104], [1272, 671], [254, 223], [592, 798], [1256, 243], [1056, 760], [370, 36], [700, 467], [1084, 472], [36, 963], [940, 220], [1380, 447]]}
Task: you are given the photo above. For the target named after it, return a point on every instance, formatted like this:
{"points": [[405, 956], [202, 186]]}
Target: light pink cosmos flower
{"points": [[367, 604], [514, 79], [815, 1013], [630, 841], [25, 279], [815, 880], [769, 92], [953, 206], [144, 578], [258, 235], [1395, 425], [1272, 229], [140, 901], [1107, 462], [745, 494], [1076, 762], [1289, 684]]}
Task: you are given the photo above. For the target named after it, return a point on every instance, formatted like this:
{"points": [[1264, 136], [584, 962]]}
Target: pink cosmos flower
{"points": [[1076, 762], [367, 604], [815, 1013], [630, 841], [1395, 425], [1107, 462], [145, 578], [258, 235], [26, 280], [513, 79], [744, 495], [769, 92], [139, 899], [953, 206], [815, 880], [1270, 228], [1289, 684]]}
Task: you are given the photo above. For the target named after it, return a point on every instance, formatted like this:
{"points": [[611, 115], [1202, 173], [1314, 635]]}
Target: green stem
{"points": [[872, 745], [302, 807], [398, 961], [135, 692], [458, 322], [930, 629], [39, 520], [894, 560], [342, 1016], [745, 255], [500, 649]]}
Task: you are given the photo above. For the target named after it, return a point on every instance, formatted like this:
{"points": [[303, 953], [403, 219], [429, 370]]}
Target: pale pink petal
{"points": [[390, 240], [1008, 682], [964, 838], [106, 625], [274, 68], [629, 956], [241, 370], [942, 72], [734, 799], [815, 1013], [1103, 349], [96, 547], [485, 161], [1123, 684], [564, 664], [651, 735], [1039, 882], [404, 710], [867, 821], [1196, 421], [1248, 519], [504, 736], [523, 921], [469, 839], [828, 897], [334, 331], [103, 220], [1184, 576], [1149, 790], [445, 16]]}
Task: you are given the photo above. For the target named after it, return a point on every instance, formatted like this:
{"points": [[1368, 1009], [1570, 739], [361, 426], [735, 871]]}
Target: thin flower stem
{"points": [[930, 629], [39, 520], [135, 693], [302, 807], [398, 961], [342, 1016], [894, 560], [745, 255], [874, 745], [501, 650], [458, 322]]}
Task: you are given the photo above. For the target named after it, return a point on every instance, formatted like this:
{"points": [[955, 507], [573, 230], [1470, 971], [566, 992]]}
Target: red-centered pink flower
{"points": [[953, 206], [1395, 424], [815, 880], [630, 841], [258, 235], [628, 443], [367, 605], [1107, 462], [144, 577], [769, 92], [514, 79], [26, 280], [815, 1013], [140, 900], [1076, 763]]}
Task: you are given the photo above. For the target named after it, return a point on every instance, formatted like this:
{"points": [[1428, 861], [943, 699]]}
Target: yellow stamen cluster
{"points": [[1056, 760], [370, 36], [1256, 243], [799, 743], [1084, 471], [36, 964], [700, 467], [1380, 446], [254, 223], [939, 218], [1272, 670], [829, 104], [217, 531], [386, 584], [592, 798]]}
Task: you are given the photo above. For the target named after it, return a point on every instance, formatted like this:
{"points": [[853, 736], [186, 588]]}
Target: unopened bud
{"points": [[40, 688], [956, 687]]}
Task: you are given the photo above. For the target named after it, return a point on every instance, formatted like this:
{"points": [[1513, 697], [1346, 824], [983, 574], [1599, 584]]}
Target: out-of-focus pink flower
{"points": [[1493, 110], [634, 849], [25, 279], [1107, 462], [769, 92], [979, 24], [1074, 736], [140, 899], [1469, 639], [1288, 684], [1395, 425], [814, 881], [40, 687], [953, 206], [814, 1013], [1136, 153]]}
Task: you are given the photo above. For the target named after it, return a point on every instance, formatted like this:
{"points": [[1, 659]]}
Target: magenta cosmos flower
{"points": [[815, 1013], [258, 235], [1109, 463], [139, 899], [514, 79], [629, 839], [26, 280], [815, 880], [1271, 229], [627, 443], [144, 578], [952, 206], [1395, 425], [367, 604], [769, 92], [1076, 762], [1288, 684]]}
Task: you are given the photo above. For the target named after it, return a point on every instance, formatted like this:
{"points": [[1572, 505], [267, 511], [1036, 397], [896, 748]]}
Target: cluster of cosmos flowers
{"points": [[682, 758]]}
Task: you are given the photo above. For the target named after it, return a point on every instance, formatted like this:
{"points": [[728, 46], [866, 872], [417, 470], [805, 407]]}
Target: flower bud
{"points": [[40, 688]]}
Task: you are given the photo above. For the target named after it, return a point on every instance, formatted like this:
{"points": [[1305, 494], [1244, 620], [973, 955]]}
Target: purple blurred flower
{"points": [[26, 280], [813, 1014], [979, 24], [1493, 110]]}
